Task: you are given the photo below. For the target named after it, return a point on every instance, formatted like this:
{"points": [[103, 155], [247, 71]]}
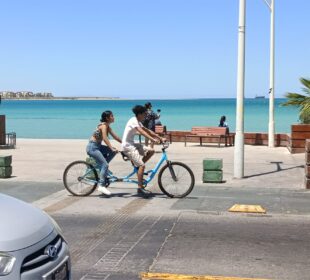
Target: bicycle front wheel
{"points": [[176, 179], [80, 178]]}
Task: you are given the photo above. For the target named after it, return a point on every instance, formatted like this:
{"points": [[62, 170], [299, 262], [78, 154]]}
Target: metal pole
{"points": [[239, 138], [271, 129]]}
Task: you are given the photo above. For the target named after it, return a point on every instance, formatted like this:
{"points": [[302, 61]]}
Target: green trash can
{"points": [[5, 171], [212, 176], [5, 166], [212, 170], [212, 164], [5, 161]]}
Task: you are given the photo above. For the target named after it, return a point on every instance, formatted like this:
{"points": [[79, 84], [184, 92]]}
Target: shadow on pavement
{"points": [[279, 169]]}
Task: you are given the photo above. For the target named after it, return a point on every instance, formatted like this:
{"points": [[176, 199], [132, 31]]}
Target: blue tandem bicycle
{"points": [[175, 179]]}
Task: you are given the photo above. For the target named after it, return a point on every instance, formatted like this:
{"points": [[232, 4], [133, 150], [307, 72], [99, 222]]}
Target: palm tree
{"points": [[301, 101]]}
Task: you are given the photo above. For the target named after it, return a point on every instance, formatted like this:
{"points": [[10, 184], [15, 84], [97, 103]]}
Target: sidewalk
{"points": [[45, 161], [271, 174]]}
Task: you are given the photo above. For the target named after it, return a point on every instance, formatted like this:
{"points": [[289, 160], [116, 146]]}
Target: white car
{"points": [[32, 246]]}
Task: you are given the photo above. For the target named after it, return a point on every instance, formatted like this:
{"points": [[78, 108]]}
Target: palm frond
{"points": [[305, 112], [306, 83], [294, 99], [301, 101]]}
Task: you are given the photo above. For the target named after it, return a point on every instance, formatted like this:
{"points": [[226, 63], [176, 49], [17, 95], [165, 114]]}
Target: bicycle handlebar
{"points": [[165, 145]]}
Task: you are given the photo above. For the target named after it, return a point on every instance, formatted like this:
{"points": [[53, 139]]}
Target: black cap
{"points": [[148, 105]]}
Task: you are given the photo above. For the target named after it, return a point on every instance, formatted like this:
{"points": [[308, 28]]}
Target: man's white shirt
{"points": [[130, 132]]}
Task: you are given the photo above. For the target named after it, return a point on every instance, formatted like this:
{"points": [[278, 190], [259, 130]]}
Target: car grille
{"points": [[40, 257]]}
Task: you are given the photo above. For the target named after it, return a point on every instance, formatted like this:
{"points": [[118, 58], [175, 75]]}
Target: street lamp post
{"points": [[239, 138], [271, 129]]}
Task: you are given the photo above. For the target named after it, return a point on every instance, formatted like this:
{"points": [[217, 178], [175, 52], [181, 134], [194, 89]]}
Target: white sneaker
{"points": [[104, 190]]}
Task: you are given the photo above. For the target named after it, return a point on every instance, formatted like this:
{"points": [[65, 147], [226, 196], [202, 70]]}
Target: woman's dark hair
{"points": [[148, 105], [105, 115], [222, 120], [138, 109]]}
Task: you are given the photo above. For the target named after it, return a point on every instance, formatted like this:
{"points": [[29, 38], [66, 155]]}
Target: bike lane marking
{"points": [[55, 201], [88, 243], [168, 276], [245, 208]]}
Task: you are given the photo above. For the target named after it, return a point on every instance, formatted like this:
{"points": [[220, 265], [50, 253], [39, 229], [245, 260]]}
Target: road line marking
{"points": [[56, 201], [247, 208], [62, 204], [50, 199], [168, 276]]}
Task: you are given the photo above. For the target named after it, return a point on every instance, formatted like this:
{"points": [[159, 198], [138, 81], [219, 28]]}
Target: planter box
{"points": [[5, 161], [308, 145], [307, 158], [307, 171], [5, 172], [212, 164], [299, 134], [212, 176], [307, 183]]}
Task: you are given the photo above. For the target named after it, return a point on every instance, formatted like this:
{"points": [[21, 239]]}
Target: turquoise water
{"points": [[76, 119]]}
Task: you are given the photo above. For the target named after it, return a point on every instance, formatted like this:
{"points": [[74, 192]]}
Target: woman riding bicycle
{"points": [[103, 154]]}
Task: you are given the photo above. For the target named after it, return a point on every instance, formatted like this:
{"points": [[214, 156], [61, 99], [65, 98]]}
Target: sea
{"points": [[77, 119]]}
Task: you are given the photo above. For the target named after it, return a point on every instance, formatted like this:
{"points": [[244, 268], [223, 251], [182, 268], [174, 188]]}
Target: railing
{"points": [[10, 141]]}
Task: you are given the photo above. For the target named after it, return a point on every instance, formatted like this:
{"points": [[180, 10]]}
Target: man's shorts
{"points": [[136, 153]]}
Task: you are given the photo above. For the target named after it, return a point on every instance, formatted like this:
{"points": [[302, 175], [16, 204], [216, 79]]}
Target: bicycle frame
{"points": [[127, 179], [151, 173]]}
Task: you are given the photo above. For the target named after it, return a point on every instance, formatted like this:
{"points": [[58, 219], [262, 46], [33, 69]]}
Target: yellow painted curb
{"points": [[167, 276], [247, 208]]}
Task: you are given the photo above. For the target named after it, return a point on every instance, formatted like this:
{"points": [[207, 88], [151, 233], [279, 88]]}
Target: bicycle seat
{"points": [[124, 156]]}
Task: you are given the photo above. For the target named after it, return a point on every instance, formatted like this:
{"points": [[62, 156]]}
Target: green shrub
{"points": [[301, 101]]}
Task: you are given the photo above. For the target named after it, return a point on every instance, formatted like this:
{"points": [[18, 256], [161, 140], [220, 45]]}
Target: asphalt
{"points": [[124, 235]]}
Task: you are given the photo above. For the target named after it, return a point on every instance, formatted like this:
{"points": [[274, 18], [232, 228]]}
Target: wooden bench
{"points": [[161, 130], [204, 132]]}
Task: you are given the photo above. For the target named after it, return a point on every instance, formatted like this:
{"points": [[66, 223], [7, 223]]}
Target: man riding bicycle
{"points": [[138, 153]]}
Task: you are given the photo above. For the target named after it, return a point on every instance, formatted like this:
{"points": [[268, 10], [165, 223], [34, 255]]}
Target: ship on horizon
{"points": [[259, 96]]}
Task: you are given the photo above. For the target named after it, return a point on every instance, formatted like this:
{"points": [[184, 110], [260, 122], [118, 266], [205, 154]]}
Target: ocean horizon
{"points": [[76, 119]]}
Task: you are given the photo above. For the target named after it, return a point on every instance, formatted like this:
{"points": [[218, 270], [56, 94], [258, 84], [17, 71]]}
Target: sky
{"points": [[150, 49]]}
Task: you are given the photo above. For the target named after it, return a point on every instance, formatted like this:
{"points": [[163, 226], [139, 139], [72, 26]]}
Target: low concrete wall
{"points": [[250, 138], [299, 134], [257, 138]]}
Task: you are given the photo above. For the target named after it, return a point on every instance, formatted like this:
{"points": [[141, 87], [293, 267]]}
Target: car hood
{"points": [[21, 224]]}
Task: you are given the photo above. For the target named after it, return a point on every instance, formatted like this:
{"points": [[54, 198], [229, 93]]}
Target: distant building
{"points": [[25, 95]]}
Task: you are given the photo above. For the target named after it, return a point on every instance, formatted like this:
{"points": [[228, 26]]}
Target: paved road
{"points": [[30, 191], [121, 236], [204, 198], [192, 244]]}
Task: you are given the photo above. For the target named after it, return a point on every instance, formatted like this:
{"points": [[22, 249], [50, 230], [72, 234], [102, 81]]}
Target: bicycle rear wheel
{"points": [[176, 179], [80, 178]]}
